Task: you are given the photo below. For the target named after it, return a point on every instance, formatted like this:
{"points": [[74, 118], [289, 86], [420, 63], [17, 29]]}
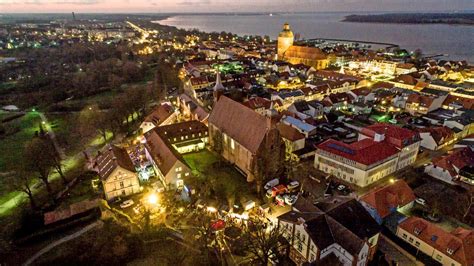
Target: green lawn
{"points": [[12, 145], [226, 182]]}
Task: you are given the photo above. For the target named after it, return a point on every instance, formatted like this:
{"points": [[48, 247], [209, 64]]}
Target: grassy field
{"points": [[226, 182], [12, 145]]}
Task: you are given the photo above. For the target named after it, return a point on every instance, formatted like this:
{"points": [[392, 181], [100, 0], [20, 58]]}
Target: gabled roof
{"points": [[164, 156], [366, 151], [341, 220], [440, 134], [397, 136], [304, 52], [160, 114], [388, 197], [460, 242], [112, 158], [455, 161], [289, 132], [258, 102], [240, 123]]}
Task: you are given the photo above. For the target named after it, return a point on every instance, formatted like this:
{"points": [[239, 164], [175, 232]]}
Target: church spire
{"points": [[218, 85]]}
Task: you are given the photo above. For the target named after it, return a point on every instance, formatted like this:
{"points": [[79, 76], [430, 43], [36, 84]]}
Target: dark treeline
{"points": [[416, 18]]}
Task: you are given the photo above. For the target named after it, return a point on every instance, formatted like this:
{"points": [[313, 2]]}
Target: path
{"points": [[62, 240], [50, 131]]}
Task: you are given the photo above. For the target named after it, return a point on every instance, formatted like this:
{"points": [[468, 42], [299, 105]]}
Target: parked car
{"points": [[275, 191], [293, 185], [290, 199], [280, 200], [271, 183], [420, 201], [126, 204]]}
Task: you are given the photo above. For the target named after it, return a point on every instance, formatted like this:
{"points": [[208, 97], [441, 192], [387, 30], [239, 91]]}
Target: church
{"points": [[296, 54]]}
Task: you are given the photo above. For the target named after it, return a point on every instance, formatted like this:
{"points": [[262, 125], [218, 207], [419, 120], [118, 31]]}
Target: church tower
{"points": [[285, 40]]}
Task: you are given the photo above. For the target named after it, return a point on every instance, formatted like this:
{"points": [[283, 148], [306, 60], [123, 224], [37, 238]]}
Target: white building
{"points": [[382, 149], [117, 173]]}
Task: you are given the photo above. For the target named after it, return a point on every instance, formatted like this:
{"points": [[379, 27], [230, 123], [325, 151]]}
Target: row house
{"points": [[448, 248]]}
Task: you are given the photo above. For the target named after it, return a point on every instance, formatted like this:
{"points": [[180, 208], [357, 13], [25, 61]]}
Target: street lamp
{"points": [[153, 199]]}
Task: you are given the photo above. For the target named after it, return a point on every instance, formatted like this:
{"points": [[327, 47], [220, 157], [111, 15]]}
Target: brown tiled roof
{"points": [[289, 133], [110, 159], [460, 241], [389, 197], [240, 123], [164, 156], [160, 114], [258, 102], [187, 128], [439, 134], [304, 52]]}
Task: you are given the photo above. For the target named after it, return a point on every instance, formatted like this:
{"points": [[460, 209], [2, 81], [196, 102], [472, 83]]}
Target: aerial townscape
{"points": [[126, 141]]}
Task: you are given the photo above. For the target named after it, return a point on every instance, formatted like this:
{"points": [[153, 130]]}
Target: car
{"points": [[280, 199], [290, 199], [271, 183], [293, 185], [126, 204], [341, 187], [420, 201]]}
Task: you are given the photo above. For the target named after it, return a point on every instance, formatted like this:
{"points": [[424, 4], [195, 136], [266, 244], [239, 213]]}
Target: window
{"points": [[417, 244], [410, 239], [123, 192], [121, 184], [439, 257], [300, 246], [405, 236], [312, 257], [178, 175], [232, 144], [186, 174]]}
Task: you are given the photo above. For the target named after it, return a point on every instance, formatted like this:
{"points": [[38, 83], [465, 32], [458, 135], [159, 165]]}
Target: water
{"points": [[455, 40]]}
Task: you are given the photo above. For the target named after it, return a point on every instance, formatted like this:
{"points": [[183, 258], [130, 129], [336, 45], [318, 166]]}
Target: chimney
{"points": [[379, 137]]}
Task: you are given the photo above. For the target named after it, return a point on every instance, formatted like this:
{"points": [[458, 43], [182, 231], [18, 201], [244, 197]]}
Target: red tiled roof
{"points": [[439, 134], [366, 151], [460, 241], [389, 197], [305, 52], [397, 136], [456, 160]]}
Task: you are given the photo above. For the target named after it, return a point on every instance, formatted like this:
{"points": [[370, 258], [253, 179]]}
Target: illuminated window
{"points": [[232, 144]]}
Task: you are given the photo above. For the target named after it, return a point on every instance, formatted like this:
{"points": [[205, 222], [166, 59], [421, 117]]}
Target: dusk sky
{"points": [[27, 6]]}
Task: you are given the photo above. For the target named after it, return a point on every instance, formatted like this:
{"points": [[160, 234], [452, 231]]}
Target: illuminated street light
{"points": [[153, 199]]}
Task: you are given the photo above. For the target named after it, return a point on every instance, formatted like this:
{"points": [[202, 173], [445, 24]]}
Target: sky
{"points": [[198, 6]]}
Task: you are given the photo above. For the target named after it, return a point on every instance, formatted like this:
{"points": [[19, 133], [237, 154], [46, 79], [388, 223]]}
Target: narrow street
{"points": [[396, 253]]}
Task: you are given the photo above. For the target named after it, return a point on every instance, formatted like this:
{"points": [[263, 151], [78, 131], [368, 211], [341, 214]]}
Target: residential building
{"points": [[422, 104], [294, 141], [435, 138], [339, 228], [164, 144], [164, 114], [382, 202], [243, 136], [447, 168], [448, 248], [117, 173], [381, 150]]}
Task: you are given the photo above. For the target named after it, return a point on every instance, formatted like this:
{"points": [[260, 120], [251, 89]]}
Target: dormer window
{"points": [[450, 251], [417, 231]]}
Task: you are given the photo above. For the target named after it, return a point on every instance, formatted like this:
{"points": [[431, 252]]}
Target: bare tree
{"points": [[40, 161], [262, 243], [22, 181]]}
